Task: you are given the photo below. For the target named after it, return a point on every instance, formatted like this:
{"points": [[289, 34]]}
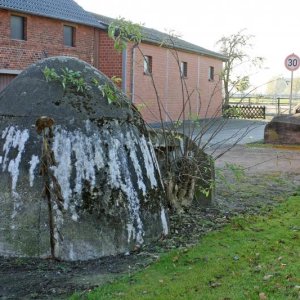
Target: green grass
{"points": [[255, 257]]}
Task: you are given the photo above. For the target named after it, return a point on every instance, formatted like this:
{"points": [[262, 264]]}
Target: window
{"points": [[18, 28], [69, 36], [147, 64], [183, 69], [211, 73]]}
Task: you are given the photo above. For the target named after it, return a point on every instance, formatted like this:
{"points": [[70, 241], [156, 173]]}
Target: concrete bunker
{"points": [[74, 152], [283, 130]]}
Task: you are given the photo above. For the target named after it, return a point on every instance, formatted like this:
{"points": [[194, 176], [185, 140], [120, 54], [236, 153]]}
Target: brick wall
{"points": [[210, 91], [44, 38], [110, 61], [202, 97]]}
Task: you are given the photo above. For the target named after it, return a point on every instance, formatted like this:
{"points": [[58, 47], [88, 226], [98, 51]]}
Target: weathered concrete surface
{"points": [[283, 130], [188, 172], [104, 184]]}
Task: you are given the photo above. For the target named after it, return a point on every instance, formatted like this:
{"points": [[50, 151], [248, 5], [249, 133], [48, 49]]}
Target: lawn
{"points": [[254, 257]]}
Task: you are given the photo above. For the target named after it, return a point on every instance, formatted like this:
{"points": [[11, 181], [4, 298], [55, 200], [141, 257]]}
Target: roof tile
{"points": [[66, 10], [158, 37]]}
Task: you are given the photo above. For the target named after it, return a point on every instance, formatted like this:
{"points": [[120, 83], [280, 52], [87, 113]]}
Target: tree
{"points": [[235, 48], [282, 86], [277, 86], [296, 85]]}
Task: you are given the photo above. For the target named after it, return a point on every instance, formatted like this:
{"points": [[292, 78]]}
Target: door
{"points": [[5, 79]]}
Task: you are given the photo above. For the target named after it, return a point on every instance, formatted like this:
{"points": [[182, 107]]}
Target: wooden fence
{"points": [[274, 105], [244, 111]]}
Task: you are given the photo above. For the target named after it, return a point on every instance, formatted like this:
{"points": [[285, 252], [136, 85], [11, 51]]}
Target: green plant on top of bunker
{"points": [[70, 80], [109, 91], [73, 80], [50, 74]]}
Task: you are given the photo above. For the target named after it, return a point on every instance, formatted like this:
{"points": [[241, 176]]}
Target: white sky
{"points": [[274, 24]]}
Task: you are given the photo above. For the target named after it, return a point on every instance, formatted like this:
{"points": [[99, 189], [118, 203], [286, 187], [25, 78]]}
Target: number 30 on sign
{"points": [[292, 62]]}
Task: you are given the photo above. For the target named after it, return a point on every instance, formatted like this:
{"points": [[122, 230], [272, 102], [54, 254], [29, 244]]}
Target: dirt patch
{"points": [[263, 158], [25, 278], [266, 177]]}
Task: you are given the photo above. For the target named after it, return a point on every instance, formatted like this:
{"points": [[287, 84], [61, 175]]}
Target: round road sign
{"points": [[292, 62]]}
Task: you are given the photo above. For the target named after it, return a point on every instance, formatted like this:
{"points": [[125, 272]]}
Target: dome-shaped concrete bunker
{"points": [[74, 154]]}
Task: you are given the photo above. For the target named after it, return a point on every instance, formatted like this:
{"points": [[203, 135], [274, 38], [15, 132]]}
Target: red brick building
{"points": [[33, 30]]}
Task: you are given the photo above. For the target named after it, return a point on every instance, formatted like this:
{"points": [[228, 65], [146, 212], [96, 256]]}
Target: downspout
{"points": [[167, 87], [198, 99], [132, 86], [124, 70], [95, 57]]}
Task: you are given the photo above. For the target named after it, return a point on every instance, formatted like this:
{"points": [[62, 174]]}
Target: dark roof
{"points": [[158, 37], [66, 10]]}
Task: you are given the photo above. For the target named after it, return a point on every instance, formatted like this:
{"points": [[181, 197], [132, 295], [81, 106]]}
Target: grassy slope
{"points": [[255, 257]]}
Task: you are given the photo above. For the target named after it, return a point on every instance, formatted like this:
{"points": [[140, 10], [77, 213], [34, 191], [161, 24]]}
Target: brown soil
{"points": [[270, 175], [264, 158]]}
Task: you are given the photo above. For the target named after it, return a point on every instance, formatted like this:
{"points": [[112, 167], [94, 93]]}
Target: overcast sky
{"points": [[274, 24]]}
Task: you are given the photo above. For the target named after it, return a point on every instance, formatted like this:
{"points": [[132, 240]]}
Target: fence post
{"points": [[278, 106]]}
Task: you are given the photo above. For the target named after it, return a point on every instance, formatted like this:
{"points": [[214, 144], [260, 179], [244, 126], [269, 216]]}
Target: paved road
{"points": [[221, 132], [230, 131]]}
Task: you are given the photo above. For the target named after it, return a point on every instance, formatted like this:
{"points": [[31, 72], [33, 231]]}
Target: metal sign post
{"points": [[292, 63], [291, 93]]}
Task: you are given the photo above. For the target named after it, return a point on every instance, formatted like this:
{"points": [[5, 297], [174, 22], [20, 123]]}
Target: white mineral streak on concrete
{"points": [[87, 125], [132, 196], [148, 161], [113, 162], [15, 139], [164, 221], [104, 151], [89, 166], [74, 216], [62, 169], [4, 132], [131, 232], [82, 146], [120, 177], [33, 163], [154, 159], [78, 149], [130, 142], [99, 155], [19, 140], [8, 135]]}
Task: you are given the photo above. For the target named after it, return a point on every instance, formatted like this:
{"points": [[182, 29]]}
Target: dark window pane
{"points": [[17, 30], [211, 74], [69, 36], [147, 64], [183, 68]]}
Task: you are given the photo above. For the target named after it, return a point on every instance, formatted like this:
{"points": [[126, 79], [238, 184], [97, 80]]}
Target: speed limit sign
{"points": [[292, 62]]}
